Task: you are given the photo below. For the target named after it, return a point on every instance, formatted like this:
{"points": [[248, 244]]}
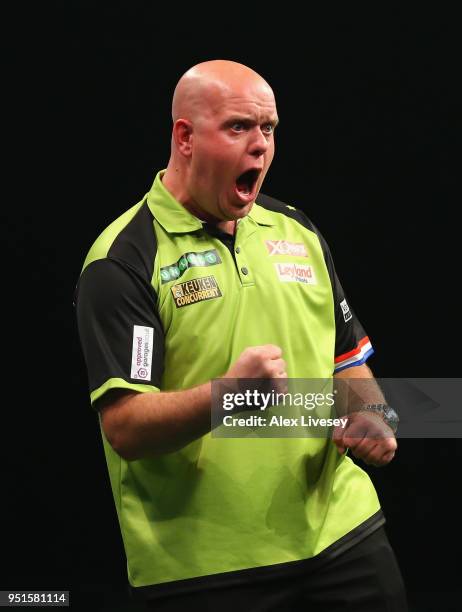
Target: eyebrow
{"points": [[249, 120]]}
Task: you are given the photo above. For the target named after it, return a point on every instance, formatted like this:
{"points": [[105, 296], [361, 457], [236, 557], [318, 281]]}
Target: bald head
{"points": [[201, 89]]}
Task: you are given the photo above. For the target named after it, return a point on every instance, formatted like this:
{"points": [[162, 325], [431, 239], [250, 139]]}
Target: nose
{"points": [[259, 143]]}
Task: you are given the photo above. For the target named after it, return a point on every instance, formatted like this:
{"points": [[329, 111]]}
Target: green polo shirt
{"points": [[165, 302]]}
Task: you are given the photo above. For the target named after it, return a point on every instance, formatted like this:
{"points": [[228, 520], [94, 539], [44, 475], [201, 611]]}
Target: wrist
{"points": [[387, 413]]}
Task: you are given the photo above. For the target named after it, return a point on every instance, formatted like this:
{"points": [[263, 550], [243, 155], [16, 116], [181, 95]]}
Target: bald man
{"points": [[208, 278]]}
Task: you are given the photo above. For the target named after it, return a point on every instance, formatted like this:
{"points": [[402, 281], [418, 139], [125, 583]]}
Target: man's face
{"points": [[232, 150]]}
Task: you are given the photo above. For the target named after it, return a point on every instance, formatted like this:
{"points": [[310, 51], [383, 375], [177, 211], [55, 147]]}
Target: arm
{"points": [[366, 433], [139, 425], [357, 387]]}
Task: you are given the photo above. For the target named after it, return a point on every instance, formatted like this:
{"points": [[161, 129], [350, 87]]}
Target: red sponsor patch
{"points": [[295, 273], [284, 247]]}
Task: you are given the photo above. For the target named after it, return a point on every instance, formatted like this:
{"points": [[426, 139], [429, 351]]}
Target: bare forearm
{"points": [[356, 387], [146, 424], [140, 425]]}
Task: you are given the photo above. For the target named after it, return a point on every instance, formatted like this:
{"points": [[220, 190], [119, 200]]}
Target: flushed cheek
{"points": [[261, 178]]}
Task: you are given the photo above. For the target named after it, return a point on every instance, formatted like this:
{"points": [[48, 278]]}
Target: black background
{"points": [[369, 107]]}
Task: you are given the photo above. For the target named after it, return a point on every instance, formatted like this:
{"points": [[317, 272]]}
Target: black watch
{"points": [[387, 413]]}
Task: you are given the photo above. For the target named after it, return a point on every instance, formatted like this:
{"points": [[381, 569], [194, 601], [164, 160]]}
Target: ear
{"points": [[183, 135]]}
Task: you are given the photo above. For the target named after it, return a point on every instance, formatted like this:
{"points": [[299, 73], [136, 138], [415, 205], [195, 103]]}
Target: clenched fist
{"points": [[368, 437], [259, 362]]}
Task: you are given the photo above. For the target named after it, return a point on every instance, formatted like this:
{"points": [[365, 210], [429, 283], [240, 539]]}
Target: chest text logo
{"points": [[284, 247], [295, 273], [196, 290]]}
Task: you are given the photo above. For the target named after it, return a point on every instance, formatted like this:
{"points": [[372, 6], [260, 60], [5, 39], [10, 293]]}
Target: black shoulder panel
{"points": [[270, 203], [136, 244]]}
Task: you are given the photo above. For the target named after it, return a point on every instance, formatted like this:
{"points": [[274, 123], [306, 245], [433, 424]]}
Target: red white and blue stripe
{"points": [[355, 357]]}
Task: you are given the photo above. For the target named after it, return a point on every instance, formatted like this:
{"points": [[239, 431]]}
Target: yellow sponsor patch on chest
{"points": [[195, 290]]}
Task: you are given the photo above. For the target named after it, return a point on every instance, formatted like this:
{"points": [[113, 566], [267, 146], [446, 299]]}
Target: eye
{"points": [[268, 128], [237, 126]]}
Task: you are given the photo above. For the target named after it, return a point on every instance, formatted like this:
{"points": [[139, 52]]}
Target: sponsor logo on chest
{"points": [[195, 290], [284, 247], [295, 273], [189, 260]]}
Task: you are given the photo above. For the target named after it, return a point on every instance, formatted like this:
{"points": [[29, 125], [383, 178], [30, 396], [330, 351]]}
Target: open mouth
{"points": [[246, 182]]}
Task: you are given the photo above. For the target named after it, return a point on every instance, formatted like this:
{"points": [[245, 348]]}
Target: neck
{"points": [[229, 227], [171, 180]]}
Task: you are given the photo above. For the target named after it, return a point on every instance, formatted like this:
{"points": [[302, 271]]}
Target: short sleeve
{"points": [[120, 333], [352, 344]]}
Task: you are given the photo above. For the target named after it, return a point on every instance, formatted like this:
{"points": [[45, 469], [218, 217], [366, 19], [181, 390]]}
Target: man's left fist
{"points": [[368, 437]]}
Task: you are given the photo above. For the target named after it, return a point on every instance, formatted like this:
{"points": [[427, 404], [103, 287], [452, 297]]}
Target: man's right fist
{"points": [[259, 362]]}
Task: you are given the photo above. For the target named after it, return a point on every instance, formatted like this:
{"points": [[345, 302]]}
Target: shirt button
{"points": [[238, 249], [244, 270]]}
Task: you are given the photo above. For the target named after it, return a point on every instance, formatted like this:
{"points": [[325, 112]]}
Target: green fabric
{"points": [[119, 383], [220, 504]]}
